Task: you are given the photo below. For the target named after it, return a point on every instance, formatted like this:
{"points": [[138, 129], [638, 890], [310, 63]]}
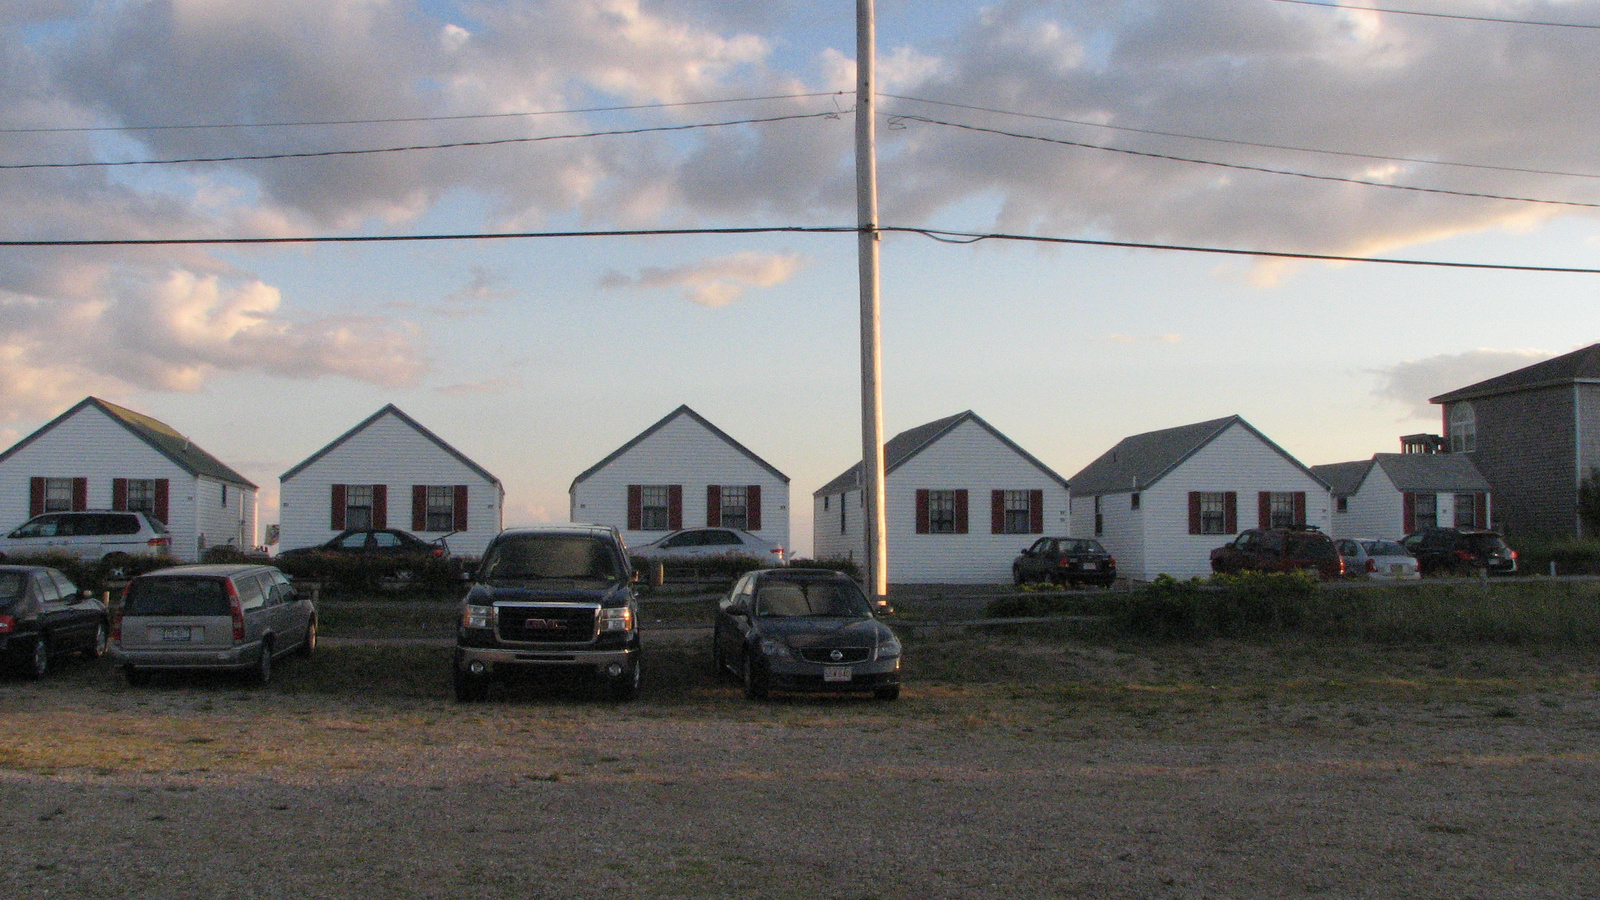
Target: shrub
{"points": [[96, 577], [1252, 603], [1572, 555], [342, 573]]}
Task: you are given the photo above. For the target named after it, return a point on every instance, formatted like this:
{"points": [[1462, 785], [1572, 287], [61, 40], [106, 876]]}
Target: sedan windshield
{"points": [[794, 599], [541, 557]]}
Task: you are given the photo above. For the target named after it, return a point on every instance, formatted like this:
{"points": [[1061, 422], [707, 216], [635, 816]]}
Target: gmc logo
{"points": [[542, 624]]}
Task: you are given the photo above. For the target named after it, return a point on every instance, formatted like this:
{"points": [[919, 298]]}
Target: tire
{"points": [[625, 687], [887, 692], [755, 681], [37, 665], [309, 645], [135, 677], [102, 640], [1016, 575], [261, 675]]}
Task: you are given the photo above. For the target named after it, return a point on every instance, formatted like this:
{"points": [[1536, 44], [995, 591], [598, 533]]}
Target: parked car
{"points": [[1374, 558], [43, 615], [221, 617], [375, 542], [547, 599], [704, 543], [1279, 550], [1066, 561], [1460, 551], [804, 630], [90, 535]]}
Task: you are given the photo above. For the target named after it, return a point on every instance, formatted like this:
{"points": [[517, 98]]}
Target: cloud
{"points": [[476, 297], [1412, 382], [1146, 339], [487, 386], [714, 282]]}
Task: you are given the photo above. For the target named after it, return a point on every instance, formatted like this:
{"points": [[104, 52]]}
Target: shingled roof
{"points": [[1579, 366], [907, 444], [683, 410], [1137, 462], [163, 438]]}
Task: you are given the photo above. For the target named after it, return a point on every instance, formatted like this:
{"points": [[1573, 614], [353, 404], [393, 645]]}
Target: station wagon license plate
{"points": [[1090, 567], [167, 633], [836, 673]]}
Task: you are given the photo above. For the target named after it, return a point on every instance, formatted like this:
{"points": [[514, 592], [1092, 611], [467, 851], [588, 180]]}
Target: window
{"points": [[57, 494], [1463, 428], [842, 508], [735, 508], [224, 496], [654, 508], [1017, 512], [1427, 510], [1467, 511], [1099, 520], [1133, 500], [1280, 510], [440, 511], [941, 512], [142, 495], [358, 506], [1213, 512], [1343, 504]]}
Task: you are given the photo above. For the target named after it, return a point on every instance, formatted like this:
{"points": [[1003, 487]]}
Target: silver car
{"points": [[1374, 558], [693, 544], [226, 617]]}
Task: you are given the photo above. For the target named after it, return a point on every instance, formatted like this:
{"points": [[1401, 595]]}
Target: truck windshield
{"points": [[538, 557]]}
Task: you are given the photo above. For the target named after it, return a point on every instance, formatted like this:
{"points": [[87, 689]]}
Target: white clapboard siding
{"points": [[683, 450], [392, 450], [833, 537], [1122, 528], [1377, 510]]}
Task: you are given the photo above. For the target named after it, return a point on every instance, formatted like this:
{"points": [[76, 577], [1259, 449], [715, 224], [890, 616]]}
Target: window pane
{"points": [[654, 515], [942, 512], [1018, 513], [735, 506], [441, 511]]}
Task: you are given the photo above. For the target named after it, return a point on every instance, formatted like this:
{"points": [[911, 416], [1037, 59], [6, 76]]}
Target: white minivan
{"points": [[90, 535]]}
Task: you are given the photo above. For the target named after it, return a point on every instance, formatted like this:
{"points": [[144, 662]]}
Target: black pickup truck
{"points": [[545, 599]]}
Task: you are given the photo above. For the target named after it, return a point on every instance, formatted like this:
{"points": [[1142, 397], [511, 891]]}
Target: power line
{"points": [[417, 119], [1434, 15], [963, 237], [1244, 168], [1376, 157], [311, 154]]}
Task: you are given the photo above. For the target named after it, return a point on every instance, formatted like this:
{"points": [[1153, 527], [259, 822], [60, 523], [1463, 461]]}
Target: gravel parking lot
{"points": [[1063, 769]]}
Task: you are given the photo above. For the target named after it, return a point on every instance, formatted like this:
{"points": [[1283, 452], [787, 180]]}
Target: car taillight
{"points": [[236, 609], [1513, 554], [120, 611], [162, 541], [1372, 565], [7, 624]]}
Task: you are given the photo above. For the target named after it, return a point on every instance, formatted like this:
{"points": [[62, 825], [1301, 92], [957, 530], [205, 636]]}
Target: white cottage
{"points": [[390, 472], [1163, 500], [1394, 494], [961, 501], [682, 472], [98, 455]]}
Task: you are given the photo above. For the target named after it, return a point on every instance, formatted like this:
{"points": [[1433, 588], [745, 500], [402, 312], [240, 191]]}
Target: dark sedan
{"points": [[804, 630], [1065, 561], [1460, 551], [374, 542], [44, 616]]}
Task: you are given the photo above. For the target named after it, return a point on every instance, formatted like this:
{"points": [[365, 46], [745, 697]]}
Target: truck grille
{"points": [[824, 655], [548, 624]]}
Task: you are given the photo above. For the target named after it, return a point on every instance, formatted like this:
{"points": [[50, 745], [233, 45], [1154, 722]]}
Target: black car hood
{"points": [[807, 632], [554, 592]]}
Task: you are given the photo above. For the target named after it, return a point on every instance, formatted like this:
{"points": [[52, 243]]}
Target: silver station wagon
{"points": [[227, 617]]}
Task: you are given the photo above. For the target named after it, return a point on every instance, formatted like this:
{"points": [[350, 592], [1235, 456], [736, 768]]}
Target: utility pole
{"points": [[873, 516]]}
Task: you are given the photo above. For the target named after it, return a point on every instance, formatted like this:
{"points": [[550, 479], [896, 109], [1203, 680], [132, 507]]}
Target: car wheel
{"points": [[755, 680], [1016, 575], [102, 640], [887, 692], [135, 677], [37, 665], [309, 645], [625, 687], [262, 674]]}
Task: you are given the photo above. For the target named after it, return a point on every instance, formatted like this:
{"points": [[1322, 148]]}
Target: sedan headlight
{"points": [[775, 649], [616, 618], [889, 648], [478, 616]]}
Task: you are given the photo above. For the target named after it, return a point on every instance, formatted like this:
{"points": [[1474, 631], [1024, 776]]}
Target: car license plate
{"points": [[173, 633], [1397, 569], [836, 673], [1090, 567]]}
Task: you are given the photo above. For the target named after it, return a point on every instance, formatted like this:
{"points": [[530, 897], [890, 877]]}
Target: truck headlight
{"points": [[478, 616], [619, 618]]}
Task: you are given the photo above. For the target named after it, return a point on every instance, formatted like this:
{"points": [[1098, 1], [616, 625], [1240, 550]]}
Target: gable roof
{"points": [[1579, 366], [1344, 478], [683, 410], [1140, 461], [902, 447], [391, 409], [160, 436], [1431, 473]]}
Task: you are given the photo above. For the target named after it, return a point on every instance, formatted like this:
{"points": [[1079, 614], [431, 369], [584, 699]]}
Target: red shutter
{"points": [[336, 522], [80, 493], [922, 510], [163, 500], [380, 506], [714, 505], [460, 510], [1230, 503], [674, 506], [119, 494], [419, 507], [1264, 509], [961, 511], [1300, 507], [1408, 511], [1036, 512], [1480, 510], [35, 496], [1194, 512], [752, 499], [635, 507], [997, 512]]}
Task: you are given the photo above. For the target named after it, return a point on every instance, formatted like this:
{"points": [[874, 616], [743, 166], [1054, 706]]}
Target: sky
{"points": [[1258, 125]]}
